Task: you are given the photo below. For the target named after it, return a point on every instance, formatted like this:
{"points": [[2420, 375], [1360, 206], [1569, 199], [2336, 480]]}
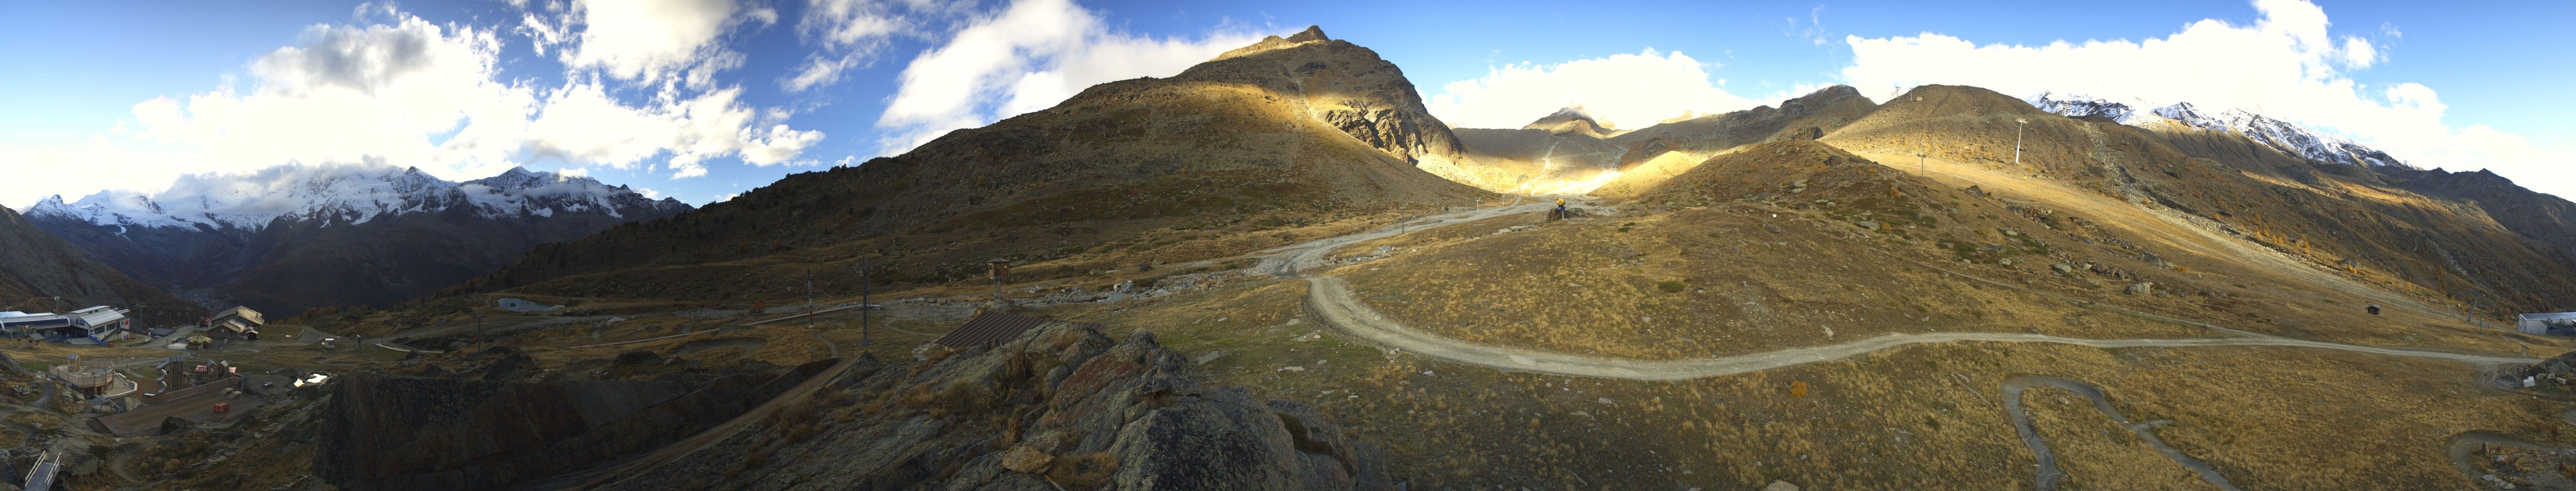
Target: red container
{"points": [[223, 407]]}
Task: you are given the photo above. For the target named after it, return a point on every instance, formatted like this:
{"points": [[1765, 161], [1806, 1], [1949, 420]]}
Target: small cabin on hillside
{"points": [[2556, 323]]}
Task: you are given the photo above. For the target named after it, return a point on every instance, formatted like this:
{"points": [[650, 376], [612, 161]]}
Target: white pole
{"points": [[2017, 139]]}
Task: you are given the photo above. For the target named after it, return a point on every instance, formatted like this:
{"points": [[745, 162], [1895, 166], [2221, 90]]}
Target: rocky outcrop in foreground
{"points": [[1060, 407], [482, 430]]}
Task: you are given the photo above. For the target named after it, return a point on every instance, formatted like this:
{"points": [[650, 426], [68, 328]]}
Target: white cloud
{"points": [[649, 193], [580, 122], [650, 39], [1622, 91], [1029, 56], [846, 34], [408, 93], [723, 197], [2285, 65]]}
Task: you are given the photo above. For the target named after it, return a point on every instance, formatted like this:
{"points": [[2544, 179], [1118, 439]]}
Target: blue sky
{"points": [[701, 99]]}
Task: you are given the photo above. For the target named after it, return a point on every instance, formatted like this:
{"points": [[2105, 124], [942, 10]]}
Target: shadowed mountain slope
{"points": [[2321, 216], [1807, 117], [36, 266], [1662, 151]]}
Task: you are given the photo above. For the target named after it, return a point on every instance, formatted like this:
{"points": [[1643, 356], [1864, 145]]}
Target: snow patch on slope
{"points": [[2283, 135]]}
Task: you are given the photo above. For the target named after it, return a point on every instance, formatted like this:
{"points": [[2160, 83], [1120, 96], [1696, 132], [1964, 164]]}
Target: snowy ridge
{"points": [[2283, 135], [344, 194]]}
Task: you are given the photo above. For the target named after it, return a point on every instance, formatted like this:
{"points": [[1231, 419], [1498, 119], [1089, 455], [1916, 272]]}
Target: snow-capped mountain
{"points": [[2283, 135], [288, 238], [345, 195]]}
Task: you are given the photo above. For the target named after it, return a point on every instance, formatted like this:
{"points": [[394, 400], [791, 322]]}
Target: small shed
{"points": [[2557, 323], [996, 326]]}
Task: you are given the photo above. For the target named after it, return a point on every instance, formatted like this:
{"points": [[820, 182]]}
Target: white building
{"points": [[14, 323], [2560, 323], [100, 324]]}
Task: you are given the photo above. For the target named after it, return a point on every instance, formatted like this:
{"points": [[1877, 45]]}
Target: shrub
{"points": [[1670, 286]]}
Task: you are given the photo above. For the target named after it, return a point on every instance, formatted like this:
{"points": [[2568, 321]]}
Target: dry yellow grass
{"points": [[1926, 417], [2098, 453]]}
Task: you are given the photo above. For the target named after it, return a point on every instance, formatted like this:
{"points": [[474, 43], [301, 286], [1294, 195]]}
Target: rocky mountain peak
{"points": [[1570, 120], [1343, 85], [1312, 33]]}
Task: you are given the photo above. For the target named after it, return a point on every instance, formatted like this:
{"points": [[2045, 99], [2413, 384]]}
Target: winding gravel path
{"points": [[1286, 261], [1330, 300], [2049, 474]]}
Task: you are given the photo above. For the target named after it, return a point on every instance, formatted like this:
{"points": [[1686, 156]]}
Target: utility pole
{"points": [[809, 298], [2017, 139], [864, 285], [1922, 163]]}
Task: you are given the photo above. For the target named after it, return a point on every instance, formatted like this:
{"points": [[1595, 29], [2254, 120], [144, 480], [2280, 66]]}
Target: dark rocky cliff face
{"points": [[383, 431], [1061, 407], [36, 264], [1341, 84]]}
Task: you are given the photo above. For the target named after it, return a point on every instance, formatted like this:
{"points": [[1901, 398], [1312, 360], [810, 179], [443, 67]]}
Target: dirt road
{"points": [[1331, 301], [1286, 261]]}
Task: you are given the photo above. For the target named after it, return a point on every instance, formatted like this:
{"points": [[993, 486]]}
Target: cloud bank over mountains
{"points": [[394, 88], [2285, 65], [1627, 91]]}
